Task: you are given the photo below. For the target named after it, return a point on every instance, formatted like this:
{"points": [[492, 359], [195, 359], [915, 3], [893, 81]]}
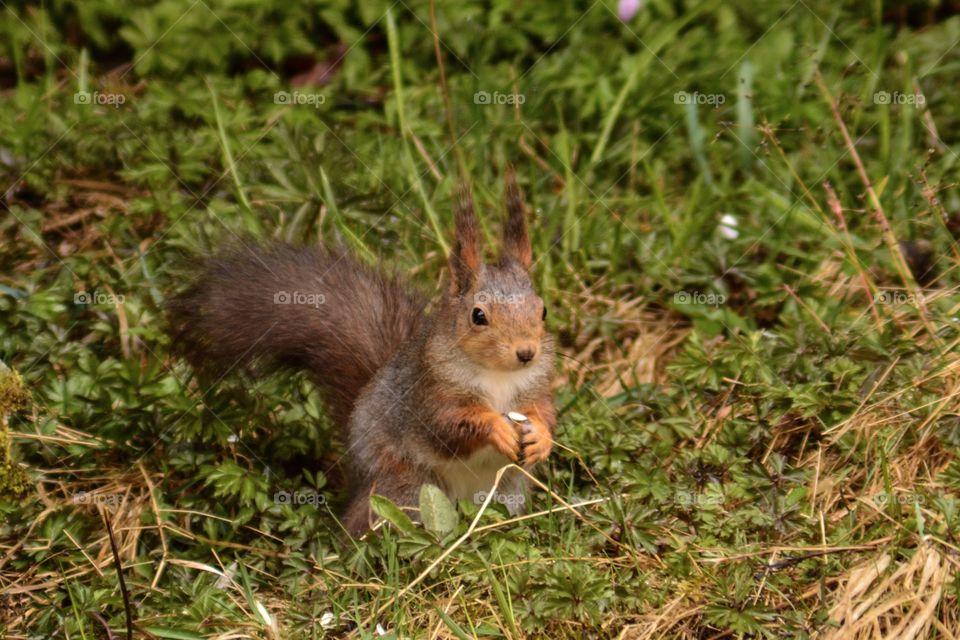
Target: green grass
{"points": [[750, 426]]}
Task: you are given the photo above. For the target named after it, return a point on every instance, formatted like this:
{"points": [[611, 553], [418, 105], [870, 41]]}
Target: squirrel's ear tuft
{"points": [[516, 240], [465, 259]]}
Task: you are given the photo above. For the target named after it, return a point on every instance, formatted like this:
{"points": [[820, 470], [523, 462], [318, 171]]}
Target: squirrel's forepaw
{"points": [[537, 443], [504, 437]]}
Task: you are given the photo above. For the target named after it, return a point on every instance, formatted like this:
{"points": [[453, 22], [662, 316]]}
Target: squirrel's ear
{"points": [[516, 241], [465, 259]]}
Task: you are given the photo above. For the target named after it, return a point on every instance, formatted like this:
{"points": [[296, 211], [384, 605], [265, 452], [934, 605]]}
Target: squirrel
{"points": [[424, 394]]}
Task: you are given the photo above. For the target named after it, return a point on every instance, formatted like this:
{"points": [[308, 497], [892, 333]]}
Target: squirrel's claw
{"points": [[537, 443], [506, 440]]}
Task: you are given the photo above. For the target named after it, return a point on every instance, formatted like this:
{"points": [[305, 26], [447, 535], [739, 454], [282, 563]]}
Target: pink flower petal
{"points": [[626, 9]]}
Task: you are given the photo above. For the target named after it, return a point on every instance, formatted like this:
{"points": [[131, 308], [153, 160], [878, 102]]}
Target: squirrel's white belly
{"points": [[502, 387], [472, 479]]}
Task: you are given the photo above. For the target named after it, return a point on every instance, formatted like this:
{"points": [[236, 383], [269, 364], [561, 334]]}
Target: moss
{"points": [[13, 395]]}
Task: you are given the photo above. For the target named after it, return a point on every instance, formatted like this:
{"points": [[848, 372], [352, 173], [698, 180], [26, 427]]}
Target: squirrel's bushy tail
{"points": [[297, 307]]}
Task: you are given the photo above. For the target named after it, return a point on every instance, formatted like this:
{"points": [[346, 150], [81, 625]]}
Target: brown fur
{"points": [[465, 259], [230, 317], [516, 242], [423, 398]]}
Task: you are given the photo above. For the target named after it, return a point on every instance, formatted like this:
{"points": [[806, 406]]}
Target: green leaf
{"points": [[390, 512], [436, 510]]}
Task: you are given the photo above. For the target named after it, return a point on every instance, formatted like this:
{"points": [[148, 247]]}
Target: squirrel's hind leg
{"points": [[401, 485]]}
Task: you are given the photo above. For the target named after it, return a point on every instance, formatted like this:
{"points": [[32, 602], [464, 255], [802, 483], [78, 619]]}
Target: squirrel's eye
{"points": [[544, 312], [478, 316]]}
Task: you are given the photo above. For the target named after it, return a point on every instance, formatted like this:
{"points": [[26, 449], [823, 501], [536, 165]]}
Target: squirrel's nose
{"points": [[525, 355]]}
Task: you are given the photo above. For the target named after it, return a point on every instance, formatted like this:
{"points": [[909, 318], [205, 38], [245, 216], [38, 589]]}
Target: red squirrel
{"points": [[423, 396]]}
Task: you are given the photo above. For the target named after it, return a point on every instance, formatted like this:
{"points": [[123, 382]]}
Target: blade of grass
{"points": [[456, 629], [260, 612], [746, 132], [83, 80], [695, 136], [252, 221], [504, 604], [76, 612], [660, 203], [172, 634], [329, 199], [571, 221], [394, 45]]}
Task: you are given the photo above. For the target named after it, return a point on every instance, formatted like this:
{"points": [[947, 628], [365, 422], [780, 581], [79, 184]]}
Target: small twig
{"points": [[834, 203], [93, 564], [929, 124], [99, 618], [930, 194], [767, 131], [26, 536], [128, 612], [422, 150], [160, 525], [792, 560], [124, 325], [446, 610], [529, 516]]}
